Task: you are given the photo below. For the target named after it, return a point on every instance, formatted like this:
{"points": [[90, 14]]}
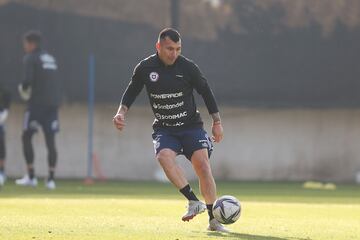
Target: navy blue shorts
{"points": [[46, 117], [184, 142]]}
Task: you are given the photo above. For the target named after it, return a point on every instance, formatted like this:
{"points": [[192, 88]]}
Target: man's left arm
{"points": [[202, 87]]}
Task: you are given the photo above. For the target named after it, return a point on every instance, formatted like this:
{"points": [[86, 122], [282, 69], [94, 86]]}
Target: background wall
{"points": [[259, 144]]}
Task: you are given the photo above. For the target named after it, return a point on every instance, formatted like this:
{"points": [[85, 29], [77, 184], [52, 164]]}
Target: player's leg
{"points": [[198, 148], [50, 125], [29, 179], [30, 128], [166, 158], [167, 146], [28, 151], [175, 174], [52, 159], [201, 165]]}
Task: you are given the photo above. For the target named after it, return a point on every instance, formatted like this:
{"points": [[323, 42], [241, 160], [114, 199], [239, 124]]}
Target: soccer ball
{"points": [[227, 209]]}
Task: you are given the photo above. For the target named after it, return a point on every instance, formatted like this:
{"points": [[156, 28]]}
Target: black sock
{"points": [[210, 213], [2, 169], [31, 173], [188, 193], [51, 175]]}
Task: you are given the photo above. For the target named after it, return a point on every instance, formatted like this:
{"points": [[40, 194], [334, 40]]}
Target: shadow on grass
{"points": [[243, 236]]}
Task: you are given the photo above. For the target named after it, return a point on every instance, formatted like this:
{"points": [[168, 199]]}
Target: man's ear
{"points": [[157, 45]]}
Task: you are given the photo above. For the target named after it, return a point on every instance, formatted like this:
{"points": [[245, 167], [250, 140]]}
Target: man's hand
{"points": [[119, 118], [217, 131], [25, 93], [119, 121]]}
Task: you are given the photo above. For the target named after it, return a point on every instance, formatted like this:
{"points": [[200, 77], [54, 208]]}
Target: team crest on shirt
{"points": [[154, 76]]}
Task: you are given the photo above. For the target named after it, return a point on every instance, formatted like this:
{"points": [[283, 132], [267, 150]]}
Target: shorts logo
{"points": [[154, 76], [205, 143], [156, 143]]}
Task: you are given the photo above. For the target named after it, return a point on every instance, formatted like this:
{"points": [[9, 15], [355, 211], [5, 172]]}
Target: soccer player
{"points": [[41, 90], [170, 79], [4, 110]]}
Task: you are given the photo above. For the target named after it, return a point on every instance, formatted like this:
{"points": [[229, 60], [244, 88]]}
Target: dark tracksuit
{"points": [[40, 70]]}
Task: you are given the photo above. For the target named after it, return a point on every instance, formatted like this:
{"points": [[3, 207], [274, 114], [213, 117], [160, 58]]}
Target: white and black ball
{"points": [[227, 209]]}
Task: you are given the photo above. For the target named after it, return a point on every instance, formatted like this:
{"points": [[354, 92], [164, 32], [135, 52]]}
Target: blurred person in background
{"points": [[170, 79], [4, 111], [41, 90]]}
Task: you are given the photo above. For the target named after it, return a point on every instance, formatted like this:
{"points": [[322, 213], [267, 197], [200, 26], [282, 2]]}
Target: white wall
{"points": [[259, 144]]}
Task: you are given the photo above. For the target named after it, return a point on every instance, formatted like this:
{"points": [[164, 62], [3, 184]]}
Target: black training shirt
{"points": [[170, 91], [40, 74]]}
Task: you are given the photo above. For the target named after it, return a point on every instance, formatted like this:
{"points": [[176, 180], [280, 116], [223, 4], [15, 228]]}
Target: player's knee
{"points": [[165, 156]]}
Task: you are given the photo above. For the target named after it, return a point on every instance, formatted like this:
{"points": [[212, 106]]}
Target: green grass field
{"points": [[149, 210]]}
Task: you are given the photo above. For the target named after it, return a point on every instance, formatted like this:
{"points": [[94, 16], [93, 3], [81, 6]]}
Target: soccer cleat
{"points": [[2, 179], [50, 184], [26, 181], [194, 208], [214, 225]]}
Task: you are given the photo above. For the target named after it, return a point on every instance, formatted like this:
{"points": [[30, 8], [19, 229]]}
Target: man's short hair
{"points": [[170, 33], [33, 36]]}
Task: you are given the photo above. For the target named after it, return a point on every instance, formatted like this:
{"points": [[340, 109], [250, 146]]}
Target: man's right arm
{"points": [[132, 91], [29, 72]]}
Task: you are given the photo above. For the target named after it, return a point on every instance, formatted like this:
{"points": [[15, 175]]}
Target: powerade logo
{"points": [[167, 95]]}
